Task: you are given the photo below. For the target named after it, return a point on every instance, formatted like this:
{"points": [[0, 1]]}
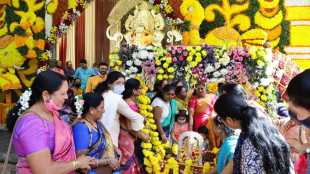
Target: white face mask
{"points": [[118, 89]]}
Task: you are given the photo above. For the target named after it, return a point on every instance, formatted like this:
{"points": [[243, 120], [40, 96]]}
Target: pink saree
{"points": [[129, 164], [64, 150]]}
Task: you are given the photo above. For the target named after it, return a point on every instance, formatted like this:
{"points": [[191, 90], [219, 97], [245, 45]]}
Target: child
{"points": [[181, 125], [77, 90], [204, 132]]}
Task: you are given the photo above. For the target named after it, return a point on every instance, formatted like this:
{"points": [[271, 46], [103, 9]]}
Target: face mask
{"points": [[305, 122], [51, 106], [118, 89]]}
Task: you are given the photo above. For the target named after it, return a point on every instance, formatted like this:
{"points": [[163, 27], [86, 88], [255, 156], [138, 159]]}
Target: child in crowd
{"points": [[204, 132], [181, 125], [77, 87]]}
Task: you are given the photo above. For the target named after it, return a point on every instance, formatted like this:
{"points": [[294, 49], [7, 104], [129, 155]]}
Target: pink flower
{"points": [[175, 59], [173, 51], [185, 53], [181, 58], [180, 50]]}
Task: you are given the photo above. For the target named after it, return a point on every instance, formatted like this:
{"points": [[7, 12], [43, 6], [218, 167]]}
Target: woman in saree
{"points": [[164, 111], [127, 137], [91, 138], [200, 107], [42, 141]]}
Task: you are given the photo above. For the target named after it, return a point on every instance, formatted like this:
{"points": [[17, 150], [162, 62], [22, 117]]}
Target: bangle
{"points": [[75, 164], [97, 163]]}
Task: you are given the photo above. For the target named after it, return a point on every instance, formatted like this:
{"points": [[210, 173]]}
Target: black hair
{"points": [[130, 85], [178, 115], [112, 77], [298, 90], [91, 100], [260, 131], [49, 81], [158, 85], [232, 88], [178, 89], [167, 88], [103, 64], [203, 130], [83, 61]]}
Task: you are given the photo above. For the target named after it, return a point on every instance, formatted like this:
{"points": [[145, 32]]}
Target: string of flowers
{"points": [[75, 9], [167, 11], [153, 151], [79, 102]]}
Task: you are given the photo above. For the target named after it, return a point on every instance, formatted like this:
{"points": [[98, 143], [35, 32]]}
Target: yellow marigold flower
{"points": [[264, 98], [189, 58], [257, 93], [204, 52], [157, 62], [171, 77], [171, 70], [160, 77], [166, 65], [166, 76]]}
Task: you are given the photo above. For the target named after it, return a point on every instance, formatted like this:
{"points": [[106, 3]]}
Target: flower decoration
{"points": [[167, 11], [24, 101], [154, 151], [136, 58], [115, 61], [164, 64], [79, 102]]}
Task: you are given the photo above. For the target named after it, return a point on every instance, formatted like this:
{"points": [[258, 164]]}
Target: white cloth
{"points": [[114, 105], [165, 107]]}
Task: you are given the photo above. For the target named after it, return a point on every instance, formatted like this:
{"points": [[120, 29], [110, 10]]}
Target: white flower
{"points": [[269, 70], [221, 80], [137, 62], [266, 81], [24, 100], [127, 71], [224, 61], [129, 62], [143, 54], [135, 55], [224, 71], [216, 74], [151, 56], [217, 65], [255, 84], [209, 68], [133, 69]]}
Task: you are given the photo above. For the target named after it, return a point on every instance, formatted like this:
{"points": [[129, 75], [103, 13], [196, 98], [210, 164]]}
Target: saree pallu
{"points": [[64, 150]]}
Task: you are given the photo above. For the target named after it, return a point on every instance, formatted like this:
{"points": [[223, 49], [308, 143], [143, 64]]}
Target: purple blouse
{"points": [[33, 134]]}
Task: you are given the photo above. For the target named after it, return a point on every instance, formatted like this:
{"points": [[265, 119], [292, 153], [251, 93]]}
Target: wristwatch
{"points": [[308, 150]]}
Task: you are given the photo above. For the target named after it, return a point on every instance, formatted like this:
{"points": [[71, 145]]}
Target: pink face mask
{"points": [[51, 106]]}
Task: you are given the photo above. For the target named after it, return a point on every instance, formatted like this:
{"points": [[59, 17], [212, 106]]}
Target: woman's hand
{"points": [[144, 137], [85, 162], [163, 138], [114, 163]]}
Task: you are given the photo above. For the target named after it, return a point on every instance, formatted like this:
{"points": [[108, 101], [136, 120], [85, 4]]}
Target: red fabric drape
{"points": [[63, 50], [102, 43], [61, 8], [80, 39]]}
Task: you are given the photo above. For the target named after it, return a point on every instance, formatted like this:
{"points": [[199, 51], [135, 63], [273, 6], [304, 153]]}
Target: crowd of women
{"points": [[107, 137]]}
